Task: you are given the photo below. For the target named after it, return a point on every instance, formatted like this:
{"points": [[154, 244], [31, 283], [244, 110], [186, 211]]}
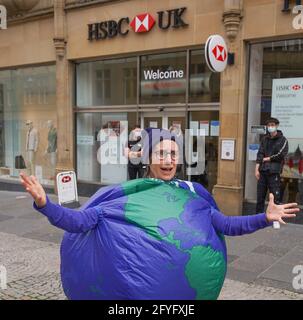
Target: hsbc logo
{"points": [[141, 23], [216, 53], [66, 179], [294, 87], [219, 53]]}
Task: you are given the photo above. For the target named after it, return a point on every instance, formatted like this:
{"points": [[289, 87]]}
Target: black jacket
{"points": [[274, 147]]}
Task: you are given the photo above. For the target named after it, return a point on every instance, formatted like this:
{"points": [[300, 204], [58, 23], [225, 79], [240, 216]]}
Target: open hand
{"points": [[34, 188], [276, 212]]}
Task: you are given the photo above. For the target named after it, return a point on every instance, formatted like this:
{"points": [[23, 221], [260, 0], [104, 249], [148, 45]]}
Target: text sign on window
{"points": [[163, 82], [287, 97]]}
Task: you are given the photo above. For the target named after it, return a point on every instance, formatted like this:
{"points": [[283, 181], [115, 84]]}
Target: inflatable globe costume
{"points": [[146, 239]]}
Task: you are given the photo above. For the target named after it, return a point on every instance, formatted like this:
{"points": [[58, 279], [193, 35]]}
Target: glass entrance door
{"points": [[174, 121], [164, 120], [207, 120]]}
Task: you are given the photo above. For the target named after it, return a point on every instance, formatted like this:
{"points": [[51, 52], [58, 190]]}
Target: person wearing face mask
{"points": [[270, 159]]}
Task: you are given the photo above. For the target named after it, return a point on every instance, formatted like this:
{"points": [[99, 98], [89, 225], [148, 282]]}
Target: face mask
{"points": [[271, 129]]}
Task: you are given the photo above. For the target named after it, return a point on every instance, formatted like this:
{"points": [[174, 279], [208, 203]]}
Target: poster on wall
{"points": [[287, 106], [228, 149]]}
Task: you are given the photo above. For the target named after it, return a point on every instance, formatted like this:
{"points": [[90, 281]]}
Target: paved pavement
{"points": [[260, 265]]}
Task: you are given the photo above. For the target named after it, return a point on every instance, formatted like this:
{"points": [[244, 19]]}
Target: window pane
{"points": [[163, 78], [101, 134], [276, 89], [28, 123], [204, 84], [108, 82]]}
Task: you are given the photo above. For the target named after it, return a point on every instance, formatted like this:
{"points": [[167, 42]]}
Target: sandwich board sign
{"points": [[67, 189]]}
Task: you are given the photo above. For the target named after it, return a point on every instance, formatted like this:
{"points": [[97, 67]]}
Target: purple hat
{"points": [[153, 136]]}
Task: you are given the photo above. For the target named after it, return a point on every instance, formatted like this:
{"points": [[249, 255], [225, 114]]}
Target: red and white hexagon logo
{"points": [[296, 87], [142, 22], [216, 53], [66, 179], [219, 53]]}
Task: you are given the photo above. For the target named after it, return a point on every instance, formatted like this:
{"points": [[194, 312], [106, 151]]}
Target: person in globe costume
{"points": [[151, 238]]}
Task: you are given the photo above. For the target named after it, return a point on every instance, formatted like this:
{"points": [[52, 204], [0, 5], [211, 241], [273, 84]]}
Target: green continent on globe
{"points": [[153, 201]]}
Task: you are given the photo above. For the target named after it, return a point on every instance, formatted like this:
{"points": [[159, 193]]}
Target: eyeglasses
{"points": [[162, 154]]}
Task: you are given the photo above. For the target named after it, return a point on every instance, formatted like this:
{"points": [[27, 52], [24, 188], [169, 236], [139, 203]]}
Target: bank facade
{"points": [[70, 68]]}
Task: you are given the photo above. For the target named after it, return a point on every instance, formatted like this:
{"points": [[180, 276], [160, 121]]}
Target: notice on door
{"points": [[204, 126], [287, 97], [214, 128]]}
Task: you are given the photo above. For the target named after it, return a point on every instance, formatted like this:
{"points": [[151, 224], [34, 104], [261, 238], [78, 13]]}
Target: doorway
{"points": [[207, 120], [163, 120]]}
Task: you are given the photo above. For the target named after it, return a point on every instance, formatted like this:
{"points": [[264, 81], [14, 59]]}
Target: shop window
{"points": [[28, 134], [103, 130], [276, 89], [108, 82]]}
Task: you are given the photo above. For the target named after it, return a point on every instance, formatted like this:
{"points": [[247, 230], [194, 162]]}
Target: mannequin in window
{"points": [[32, 141], [51, 150]]}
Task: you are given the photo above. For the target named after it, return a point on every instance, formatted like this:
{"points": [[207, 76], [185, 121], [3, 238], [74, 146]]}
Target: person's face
{"points": [[164, 160], [272, 127]]}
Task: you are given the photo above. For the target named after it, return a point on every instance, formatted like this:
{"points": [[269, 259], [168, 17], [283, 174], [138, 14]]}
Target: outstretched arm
{"points": [[235, 226], [70, 220]]}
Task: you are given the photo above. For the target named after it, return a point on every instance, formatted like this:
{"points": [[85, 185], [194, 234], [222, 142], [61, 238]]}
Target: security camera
{"points": [[161, 109]]}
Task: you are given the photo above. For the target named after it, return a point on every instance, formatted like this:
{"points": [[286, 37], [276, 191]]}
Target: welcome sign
{"points": [[287, 97], [159, 75], [163, 81]]}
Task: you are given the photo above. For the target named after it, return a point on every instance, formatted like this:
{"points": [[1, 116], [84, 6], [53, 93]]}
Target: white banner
{"points": [[287, 105]]}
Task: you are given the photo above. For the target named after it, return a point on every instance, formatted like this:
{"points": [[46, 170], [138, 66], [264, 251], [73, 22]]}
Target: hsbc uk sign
{"points": [[139, 24]]}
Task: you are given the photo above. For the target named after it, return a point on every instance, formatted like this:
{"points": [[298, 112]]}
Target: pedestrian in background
{"points": [[270, 159]]}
